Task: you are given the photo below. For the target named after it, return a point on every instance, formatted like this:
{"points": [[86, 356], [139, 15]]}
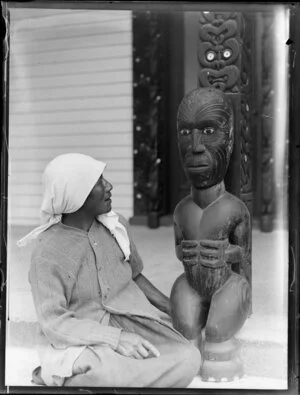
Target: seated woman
{"points": [[95, 307]]}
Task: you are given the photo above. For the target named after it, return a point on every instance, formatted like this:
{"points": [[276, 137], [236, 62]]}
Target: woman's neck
{"points": [[78, 220], [204, 197]]}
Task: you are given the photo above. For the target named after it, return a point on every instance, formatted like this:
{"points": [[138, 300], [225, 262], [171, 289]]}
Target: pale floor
{"points": [[263, 337]]}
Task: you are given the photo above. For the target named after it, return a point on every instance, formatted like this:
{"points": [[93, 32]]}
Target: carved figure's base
{"points": [[221, 361], [222, 371], [214, 324]]}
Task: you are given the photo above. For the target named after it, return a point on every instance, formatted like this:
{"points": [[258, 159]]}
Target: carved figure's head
{"points": [[205, 135]]}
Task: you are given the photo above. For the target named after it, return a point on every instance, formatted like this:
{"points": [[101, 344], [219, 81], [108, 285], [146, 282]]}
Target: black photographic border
{"points": [[293, 191]]}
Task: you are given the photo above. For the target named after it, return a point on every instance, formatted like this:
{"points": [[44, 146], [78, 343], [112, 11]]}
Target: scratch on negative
{"points": [[293, 261], [85, 390], [267, 116], [3, 282]]}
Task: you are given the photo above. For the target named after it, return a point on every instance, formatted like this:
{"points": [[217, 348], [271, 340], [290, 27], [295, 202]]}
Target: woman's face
{"points": [[99, 200]]}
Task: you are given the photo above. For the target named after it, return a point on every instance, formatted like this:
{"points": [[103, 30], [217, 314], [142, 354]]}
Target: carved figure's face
{"points": [[205, 136]]}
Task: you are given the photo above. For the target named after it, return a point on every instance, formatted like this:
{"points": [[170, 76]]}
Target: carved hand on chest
{"points": [[212, 236]]}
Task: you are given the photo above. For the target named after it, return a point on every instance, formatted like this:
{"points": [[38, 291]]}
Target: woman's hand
{"points": [[135, 346]]}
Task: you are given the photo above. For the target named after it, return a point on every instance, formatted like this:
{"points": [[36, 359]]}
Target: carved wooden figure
{"points": [[210, 300]]}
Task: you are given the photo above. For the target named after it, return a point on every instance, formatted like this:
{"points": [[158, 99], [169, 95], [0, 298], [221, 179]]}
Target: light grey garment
{"points": [[78, 280], [177, 365]]}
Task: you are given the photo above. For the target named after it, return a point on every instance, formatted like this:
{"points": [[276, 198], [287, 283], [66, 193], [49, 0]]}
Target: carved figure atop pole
{"points": [[212, 298]]}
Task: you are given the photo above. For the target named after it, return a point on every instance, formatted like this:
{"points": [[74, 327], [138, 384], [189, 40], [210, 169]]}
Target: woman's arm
{"points": [[51, 285], [154, 295]]}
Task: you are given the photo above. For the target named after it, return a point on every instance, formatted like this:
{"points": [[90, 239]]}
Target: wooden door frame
{"points": [[175, 95]]}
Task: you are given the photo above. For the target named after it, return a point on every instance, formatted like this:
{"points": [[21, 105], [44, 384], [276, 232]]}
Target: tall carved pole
{"points": [[266, 162], [224, 58]]}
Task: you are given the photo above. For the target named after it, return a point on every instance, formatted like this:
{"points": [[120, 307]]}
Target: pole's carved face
{"points": [[205, 135]]}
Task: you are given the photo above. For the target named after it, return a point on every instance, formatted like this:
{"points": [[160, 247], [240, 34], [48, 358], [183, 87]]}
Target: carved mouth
{"points": [[198, 167], [214, 80]]}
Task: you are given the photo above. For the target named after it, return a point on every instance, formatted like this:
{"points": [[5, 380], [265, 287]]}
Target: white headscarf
{"points": [[68, 179]]}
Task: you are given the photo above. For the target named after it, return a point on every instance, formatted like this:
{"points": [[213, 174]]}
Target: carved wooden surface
{"points": [[247, 109], [219, 50], [225, 59], [225, 62], [267, 126]]}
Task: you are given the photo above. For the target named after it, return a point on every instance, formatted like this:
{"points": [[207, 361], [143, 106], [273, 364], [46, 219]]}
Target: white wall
{"points": [[70, 91]]}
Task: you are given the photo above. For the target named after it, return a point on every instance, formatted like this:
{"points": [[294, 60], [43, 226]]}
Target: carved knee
{"points": [[229, 309], [188, 310]]}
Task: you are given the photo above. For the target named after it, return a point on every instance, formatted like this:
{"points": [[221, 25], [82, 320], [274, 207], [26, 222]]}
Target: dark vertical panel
{"points": [[294, 201], [158, 64], [175, 54], [149, 103], [257, 141]]}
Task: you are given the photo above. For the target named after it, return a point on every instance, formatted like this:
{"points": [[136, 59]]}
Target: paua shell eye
{"points": [[227, 53], [210, 56], [184, 132], [208, 130]]}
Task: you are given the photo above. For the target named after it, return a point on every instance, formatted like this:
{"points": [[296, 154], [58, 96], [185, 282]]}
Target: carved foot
{"points": [[221, 361]]}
